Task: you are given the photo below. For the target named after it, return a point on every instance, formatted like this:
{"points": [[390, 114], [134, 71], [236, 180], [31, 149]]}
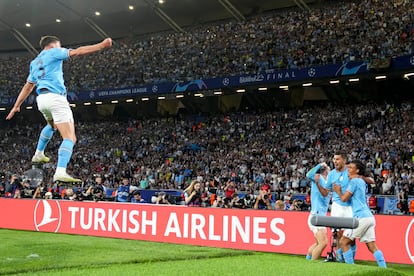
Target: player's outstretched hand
{"points": [[12, 112]]}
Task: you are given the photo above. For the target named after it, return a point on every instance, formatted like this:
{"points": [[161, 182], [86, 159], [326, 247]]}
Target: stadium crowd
{"points": [[249, 152], [284, 39]]}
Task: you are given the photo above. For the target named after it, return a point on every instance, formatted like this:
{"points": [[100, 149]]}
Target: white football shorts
{"points": [[54, 108], [365, 231]]}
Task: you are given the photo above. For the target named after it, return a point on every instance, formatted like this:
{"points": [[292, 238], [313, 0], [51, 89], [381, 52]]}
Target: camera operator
{"points": [[98, 189], [263, 201], [13, 187], [237, 202], [89, 193], [81, 195], [218, 202], [249, 200], [160, 198], [68, 194], [230, 189], [27, 189], [39, 191], [296, 205], [193, 194]]}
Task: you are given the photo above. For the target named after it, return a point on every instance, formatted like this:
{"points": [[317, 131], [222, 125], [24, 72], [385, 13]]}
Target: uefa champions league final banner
{"points": [[257, 230], [270, 76], [227, 82]]}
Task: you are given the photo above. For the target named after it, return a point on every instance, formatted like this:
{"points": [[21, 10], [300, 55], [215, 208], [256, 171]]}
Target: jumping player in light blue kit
{"points": [[365, 232], [319, 206], [46, 74]]}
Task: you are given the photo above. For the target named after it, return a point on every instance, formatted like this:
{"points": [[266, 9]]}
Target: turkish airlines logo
{"points": [[47, 216], [409, 240]]}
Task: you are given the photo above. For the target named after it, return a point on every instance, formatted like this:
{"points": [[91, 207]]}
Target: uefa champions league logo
{"points": [[155, 89], [412, 60], [311, 72], [226, 81]]}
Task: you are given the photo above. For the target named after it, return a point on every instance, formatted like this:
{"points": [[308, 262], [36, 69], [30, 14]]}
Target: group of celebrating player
{"points": [[348, 185]]}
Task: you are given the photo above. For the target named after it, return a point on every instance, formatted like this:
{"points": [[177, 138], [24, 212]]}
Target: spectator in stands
{"points": [[97, 154], [280, 205], [143, 183], [230, 189]]}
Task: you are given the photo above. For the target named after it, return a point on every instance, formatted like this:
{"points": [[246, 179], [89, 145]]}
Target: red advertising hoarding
{"points": [[270, 231]]}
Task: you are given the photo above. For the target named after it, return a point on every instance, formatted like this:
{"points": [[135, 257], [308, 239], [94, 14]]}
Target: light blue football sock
{"points": [[45, 135], [339, 256], [65, 153], [354, 249], [348, 257], [380, 258]]}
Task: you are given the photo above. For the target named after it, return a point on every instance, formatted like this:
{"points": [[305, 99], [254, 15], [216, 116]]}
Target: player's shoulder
{"points": [[332, 172], [58, 52], [357, 180]]}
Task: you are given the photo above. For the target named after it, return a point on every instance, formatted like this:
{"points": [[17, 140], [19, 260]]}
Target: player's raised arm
{"points": [[89, 49]]}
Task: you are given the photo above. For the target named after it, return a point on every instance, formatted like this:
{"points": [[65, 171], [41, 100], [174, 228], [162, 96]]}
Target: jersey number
{"points": [[41, 69]]}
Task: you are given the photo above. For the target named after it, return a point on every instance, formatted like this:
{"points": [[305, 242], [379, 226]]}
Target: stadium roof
{"points": [[25, 21]]}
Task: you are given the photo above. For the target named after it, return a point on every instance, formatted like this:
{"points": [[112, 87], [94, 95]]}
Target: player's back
{"points": [[46, 70], [359, 203]]}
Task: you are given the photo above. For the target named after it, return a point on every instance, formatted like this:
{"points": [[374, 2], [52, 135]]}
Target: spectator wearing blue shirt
{"points": [[365, 232]]}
